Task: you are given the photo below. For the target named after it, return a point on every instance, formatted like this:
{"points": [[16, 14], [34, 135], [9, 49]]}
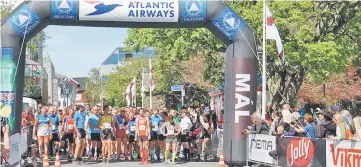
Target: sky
{"points": [[76, 50]]}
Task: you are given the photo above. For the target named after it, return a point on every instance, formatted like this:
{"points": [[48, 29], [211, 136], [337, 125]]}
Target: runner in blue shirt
{"points": [[79, 118], [55, 119], [94, 128], [155, 120], [131, 132]]}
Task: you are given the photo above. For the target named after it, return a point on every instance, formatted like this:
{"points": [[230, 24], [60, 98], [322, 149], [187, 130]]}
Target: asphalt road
{"points": [[136, 164]]}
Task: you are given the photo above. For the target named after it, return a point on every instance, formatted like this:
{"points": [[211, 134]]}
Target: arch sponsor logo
{"points": [[300, 152], [242, 101], [229, 23], [64, 9], [193, 11], [24, 20], [129, 10]]}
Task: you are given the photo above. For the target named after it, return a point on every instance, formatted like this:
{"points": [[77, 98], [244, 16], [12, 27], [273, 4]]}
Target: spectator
{"points": [[288, 130], [340, 129], [258, 125], [286, 113], [357, 123], [308, 130], [297, 121], [327, 126], [276, 121], [348, 120], [280, 131]]}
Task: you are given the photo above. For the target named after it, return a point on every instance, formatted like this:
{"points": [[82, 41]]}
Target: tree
{"points": [[93, 87], [339, 87], [123, 75], [319, 38], [5, 8]]}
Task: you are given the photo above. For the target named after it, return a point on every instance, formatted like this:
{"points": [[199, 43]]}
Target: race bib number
{"points": [[121, 126], [155, 127], [71, 127], [132, 128], [142, 127], [96, 129], [184, 131], [53, 127], [107, 126], [170, 132]]}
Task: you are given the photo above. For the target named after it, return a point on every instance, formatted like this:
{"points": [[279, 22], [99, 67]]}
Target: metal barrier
{"points": [[258, 148], [26, 138]]}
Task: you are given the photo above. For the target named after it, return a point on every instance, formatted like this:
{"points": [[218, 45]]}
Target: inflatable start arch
{"points": [[240, 86]]}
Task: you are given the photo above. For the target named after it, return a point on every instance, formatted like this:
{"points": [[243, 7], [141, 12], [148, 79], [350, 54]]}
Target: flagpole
{"points": [[264, 61], [150, 85], [101, 89], [143, 94]]}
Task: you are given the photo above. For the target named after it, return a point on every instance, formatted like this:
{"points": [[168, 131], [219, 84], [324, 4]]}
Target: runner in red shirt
{"points": [[143, 135]]}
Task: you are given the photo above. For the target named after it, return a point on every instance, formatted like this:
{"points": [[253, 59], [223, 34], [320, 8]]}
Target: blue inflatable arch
{"points": [[240, 86]]}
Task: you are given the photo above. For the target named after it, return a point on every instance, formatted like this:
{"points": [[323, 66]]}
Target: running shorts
{"points": [[69, 137], [185, 138], [131, 138], [95, 137], [120, 133], [142, 138], [55, 137], [153, 136], [172, 140], [108, 134], [82, 133]]}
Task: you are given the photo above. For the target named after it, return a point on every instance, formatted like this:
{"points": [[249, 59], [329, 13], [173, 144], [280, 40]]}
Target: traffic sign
{"points": [[177, 88]]}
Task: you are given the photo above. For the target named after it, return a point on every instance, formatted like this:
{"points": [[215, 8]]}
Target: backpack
{"points": [[317, 130]]}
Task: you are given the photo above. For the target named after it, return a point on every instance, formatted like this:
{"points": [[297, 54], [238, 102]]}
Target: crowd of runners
{"points": [[105, 133]]}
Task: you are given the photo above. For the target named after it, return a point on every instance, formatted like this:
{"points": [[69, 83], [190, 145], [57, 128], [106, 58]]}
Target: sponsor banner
{"points": [[64, 9], [24, 20], [259, 146], [129, 10], [343, 153], [301, 152], [193, 11], [229, 23]]}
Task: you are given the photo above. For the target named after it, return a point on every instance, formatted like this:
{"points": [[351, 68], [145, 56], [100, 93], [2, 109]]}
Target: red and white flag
{"points": [[272, 33], [132, 88], [151, 80], [127, 95], [142, 89]]}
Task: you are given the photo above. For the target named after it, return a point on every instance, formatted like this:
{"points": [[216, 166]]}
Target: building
{"points": [[119, 57], [52, 80], [67, 90], [80, 93]]}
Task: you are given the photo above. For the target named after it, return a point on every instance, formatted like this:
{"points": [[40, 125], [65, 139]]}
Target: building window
{"points": [[128, 56]]}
